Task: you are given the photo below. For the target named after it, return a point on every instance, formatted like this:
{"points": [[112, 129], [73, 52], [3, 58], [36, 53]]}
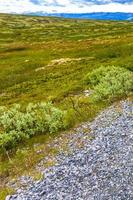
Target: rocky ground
{"points": [[102, 169]]}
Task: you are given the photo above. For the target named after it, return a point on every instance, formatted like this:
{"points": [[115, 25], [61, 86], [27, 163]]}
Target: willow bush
{"points": [[17, 124], [110, 82]]}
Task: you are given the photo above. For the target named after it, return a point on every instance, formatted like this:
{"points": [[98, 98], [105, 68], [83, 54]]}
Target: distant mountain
{"points": [[100, 16]]}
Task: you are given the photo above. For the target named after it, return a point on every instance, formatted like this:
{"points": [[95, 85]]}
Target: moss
{"points": [[5, 192]]}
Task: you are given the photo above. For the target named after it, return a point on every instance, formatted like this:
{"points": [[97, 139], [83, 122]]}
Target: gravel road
{"points": [[101, 170]]}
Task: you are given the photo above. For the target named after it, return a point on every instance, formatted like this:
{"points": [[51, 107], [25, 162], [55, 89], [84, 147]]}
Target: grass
{"points": [[29, 46]]}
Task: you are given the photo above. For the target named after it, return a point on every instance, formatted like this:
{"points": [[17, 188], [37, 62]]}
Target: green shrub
{"points": [[9, 140], [110, 82], [17, 125]]}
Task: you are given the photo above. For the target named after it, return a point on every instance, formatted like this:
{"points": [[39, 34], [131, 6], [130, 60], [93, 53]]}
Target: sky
{"points": [[65, 6]]}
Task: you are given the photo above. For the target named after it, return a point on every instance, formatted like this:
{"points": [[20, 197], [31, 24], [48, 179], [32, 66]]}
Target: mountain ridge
{"points": [[99, 16]]}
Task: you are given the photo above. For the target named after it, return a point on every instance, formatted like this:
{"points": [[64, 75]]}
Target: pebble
{"points": [[101, 170], [8, 197]]}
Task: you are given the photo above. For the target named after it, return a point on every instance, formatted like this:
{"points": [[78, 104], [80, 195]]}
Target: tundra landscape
{"points": [[57, 75]]}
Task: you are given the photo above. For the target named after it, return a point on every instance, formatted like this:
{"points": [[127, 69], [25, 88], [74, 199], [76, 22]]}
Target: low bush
{"points": [[17, 124], [110, 82]]}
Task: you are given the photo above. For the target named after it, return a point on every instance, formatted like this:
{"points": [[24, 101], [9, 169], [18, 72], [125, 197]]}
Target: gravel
{"points": [[101, 170]]}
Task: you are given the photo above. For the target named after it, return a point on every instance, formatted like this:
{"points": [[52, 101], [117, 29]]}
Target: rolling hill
{"points": [[81, 66], [96, 16]]}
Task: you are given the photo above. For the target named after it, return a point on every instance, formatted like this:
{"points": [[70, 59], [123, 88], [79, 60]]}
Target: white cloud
{"points": [[63, 6]]}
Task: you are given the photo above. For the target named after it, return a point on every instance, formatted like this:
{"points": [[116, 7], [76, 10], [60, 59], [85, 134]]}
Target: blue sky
{"points": [[65, 6]]}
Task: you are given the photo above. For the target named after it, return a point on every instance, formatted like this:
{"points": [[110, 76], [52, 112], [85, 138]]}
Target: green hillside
{"points": [[31, 43], [81, 66]]}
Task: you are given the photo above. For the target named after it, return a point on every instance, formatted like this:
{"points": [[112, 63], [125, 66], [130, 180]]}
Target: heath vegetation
{"points": [[46, 59]]}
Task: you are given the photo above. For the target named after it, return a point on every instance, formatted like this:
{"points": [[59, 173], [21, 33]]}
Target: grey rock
{"points": [[8, 197]]}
